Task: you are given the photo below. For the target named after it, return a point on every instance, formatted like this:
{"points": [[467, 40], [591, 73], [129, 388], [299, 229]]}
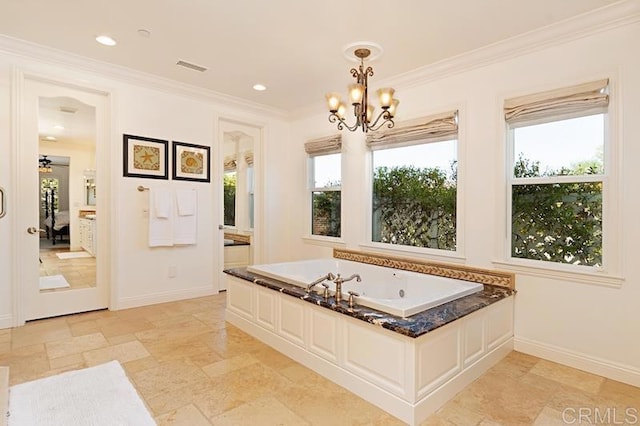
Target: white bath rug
{"points": [[100, 395], [53, 281], [72, 254]]}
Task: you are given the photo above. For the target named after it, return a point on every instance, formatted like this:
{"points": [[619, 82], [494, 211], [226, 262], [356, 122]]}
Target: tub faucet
{"points": [[339, 280], [329, 277]]}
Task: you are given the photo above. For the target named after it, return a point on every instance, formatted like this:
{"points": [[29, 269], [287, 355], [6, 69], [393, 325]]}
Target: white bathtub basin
{"points": [[397, 292]]}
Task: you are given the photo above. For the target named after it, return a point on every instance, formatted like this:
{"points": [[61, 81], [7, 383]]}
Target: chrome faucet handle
{"points": [[325, 293], [351, 294]]}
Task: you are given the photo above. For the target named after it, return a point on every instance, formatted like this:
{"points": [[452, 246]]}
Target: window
{"points": [[414, 190], [558, 175], [325, 179]]}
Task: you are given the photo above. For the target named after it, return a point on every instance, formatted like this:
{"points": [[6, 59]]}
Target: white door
{"points": [[35, 302]]}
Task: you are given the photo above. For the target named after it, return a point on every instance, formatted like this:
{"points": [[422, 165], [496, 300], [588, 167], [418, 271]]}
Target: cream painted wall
{"points": [[139, 274], [589, 326]]}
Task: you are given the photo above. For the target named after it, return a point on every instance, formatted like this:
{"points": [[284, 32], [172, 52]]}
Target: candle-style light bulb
{"points": [[370, 109], [385, 95], [333, 101], [393, 107], [356, 93]]}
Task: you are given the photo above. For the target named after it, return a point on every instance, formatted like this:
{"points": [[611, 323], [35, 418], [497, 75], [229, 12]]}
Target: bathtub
{"points": [[397, 292]]}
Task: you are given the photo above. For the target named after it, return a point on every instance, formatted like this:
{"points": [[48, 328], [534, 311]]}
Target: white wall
{"points": [[139, 274], [589, 326]]}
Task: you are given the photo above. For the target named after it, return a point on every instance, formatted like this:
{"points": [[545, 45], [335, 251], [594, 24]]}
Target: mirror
{"points": [[238, 181], [238, 195], [67, 167], [90, 187]]}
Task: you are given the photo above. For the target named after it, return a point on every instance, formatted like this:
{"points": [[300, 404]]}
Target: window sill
{"points": [[425, 253], [324, 241], [562, 272]]}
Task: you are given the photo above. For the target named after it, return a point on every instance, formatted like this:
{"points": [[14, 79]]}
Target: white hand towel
{"points": [[160, 228], [186, 200], [161, 203], [185, 229]]}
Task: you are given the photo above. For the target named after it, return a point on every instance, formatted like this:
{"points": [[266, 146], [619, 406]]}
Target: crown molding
{"points": [[50, 56], [622, 13]]}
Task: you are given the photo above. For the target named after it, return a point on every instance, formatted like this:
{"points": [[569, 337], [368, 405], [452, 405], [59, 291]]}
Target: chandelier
{"points": [[362, 109], [44, 165]]}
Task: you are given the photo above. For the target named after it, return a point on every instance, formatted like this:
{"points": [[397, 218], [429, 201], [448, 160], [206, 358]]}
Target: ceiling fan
{"points": [[44, 165]]}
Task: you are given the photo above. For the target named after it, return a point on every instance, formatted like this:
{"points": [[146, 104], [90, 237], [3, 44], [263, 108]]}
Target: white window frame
{"points": [[609, 274], [311, 188], [453, 256]]}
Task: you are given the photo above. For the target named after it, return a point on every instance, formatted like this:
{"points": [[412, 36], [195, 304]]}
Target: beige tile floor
{"points": [[79, 272], [192, 368]]}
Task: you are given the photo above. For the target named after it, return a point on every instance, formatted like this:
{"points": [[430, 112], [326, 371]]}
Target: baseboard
{"points": [[6, 321], [599, 366], [164, 297]]}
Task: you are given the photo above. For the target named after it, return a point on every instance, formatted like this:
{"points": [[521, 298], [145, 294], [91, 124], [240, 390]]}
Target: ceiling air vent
{"points": [[191, 66]]}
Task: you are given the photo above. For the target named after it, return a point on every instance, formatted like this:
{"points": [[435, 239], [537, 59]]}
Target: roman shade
{"points": [[434, 128], [568, 102], [325, 145]]}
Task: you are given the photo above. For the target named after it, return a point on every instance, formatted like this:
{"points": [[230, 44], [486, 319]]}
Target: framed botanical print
{"points": [[145, 157], [191, 162]]}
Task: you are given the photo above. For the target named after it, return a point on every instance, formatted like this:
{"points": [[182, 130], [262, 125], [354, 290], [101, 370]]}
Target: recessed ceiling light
{"points": [[259, 87], [50, 138], [106, 40], [58, 127]]}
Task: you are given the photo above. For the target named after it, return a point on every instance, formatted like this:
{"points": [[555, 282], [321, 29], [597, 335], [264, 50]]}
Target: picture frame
{"points": [[191, 162], [145, 157]]}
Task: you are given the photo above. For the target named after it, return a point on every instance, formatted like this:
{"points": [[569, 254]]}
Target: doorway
{"points": [[62, 152]]}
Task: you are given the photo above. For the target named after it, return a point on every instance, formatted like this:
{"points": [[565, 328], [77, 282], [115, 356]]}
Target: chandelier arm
{"points": [[369, 72], [334, 118], [386, 116], [389, 123]]}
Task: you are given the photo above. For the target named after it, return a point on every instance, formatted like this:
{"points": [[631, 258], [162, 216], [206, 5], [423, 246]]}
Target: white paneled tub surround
{"points": [[408, 377], [397, 292]]}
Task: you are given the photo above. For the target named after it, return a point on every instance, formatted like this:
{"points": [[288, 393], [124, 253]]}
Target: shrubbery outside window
{"points": [[414, 191], [324, 174], [558, 174]]}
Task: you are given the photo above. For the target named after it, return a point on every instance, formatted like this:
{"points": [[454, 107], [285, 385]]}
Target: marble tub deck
{"points": [[413, 326]]}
